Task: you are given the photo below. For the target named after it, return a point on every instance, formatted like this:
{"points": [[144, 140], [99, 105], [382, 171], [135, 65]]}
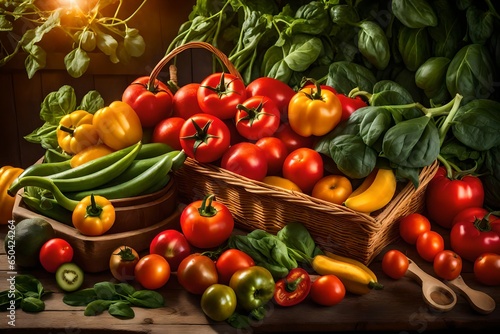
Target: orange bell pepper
{"points": [[314, 111], [118, 125], [93, 215], [7, 175], [89, 154], [76, 132]]}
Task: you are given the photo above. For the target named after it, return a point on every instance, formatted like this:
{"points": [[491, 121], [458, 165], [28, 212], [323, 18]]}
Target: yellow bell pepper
{"points": [[118, 125], [314, 111], [93, 215], [89, 154], [76, 132], [7, 175]]}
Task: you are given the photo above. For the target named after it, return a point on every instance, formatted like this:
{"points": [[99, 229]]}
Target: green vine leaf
{"points": [[76, 61]]}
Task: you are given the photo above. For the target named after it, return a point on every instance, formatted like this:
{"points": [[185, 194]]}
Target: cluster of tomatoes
{"points": [[254, 130]]}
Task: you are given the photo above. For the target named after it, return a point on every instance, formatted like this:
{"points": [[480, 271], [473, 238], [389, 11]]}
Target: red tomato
{"points": [[275, 89], [172, 245], [229, 262], [487, 269], [429, 244], [220, 93], [475, 231], [122, 263], [447, 264], [350, 105], [332, 188], [55, 252], [412, 225], [196, 273], [325, 87], [292, 139], [257, 117], [446, 197], [327, 290], [152, 271], [185, 101], [151, 102], [304, 167], [206, 223], [395, 264], [167, 131], [204, 137], [236, 137], [276, 152], [292, 289], [245, 159]]}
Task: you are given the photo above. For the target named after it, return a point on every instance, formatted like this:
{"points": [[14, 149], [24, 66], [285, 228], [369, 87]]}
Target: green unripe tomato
{"points": [[254, 287], [218, 302]]}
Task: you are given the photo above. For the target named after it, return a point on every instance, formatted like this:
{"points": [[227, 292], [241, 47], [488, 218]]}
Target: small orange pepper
{"points": [[93, 215]]}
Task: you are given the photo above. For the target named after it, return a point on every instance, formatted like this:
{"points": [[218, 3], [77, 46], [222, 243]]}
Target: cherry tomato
{"points": [[447, 264], [230, 261], [218, 302], [257, 117], [429, 244], [304, 167], [246, 159], [327, 290], [196, 273], [152, 271], [206, 223], [276, 152], [220, 93], [204, 137], [395, 264], [412, 225], [167, 131], [55, 252], [122, 263], [292, 139], [275, 89], [172, 245], [185, 101], [152, 103], [487, 269], [332, 188]]}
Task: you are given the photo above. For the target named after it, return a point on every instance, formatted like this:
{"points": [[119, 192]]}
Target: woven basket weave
{"points": [[256, 205]]}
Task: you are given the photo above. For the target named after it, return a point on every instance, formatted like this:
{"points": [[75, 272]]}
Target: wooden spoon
{"points": [[480, 301], [436, 294]]}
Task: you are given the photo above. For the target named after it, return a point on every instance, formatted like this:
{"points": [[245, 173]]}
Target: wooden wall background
{"points": [[20, 97]]}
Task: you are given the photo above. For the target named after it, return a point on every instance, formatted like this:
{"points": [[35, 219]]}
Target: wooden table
{"points": [[399, 307]]}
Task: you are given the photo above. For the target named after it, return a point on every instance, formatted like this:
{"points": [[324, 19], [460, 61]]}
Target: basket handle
{"points": [[193, 45]]}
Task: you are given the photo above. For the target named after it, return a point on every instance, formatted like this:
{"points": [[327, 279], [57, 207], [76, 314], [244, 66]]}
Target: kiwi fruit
{"points": [[69, 276]]}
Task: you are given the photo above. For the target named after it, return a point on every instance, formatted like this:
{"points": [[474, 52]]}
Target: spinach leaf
{"points": [[301, 52], [491, 178], [414, 13], [80, 297], [431, 75], [353, 157], [311, 18], [345, 76], [96, 307], [413, 44], [32, 304], [470, 73], [408, 173], [476, 124], [449, 32], [121, 310], [297, 238], [375, 124], [147, 298], [105, 290], [412, 143], [373, 44]]}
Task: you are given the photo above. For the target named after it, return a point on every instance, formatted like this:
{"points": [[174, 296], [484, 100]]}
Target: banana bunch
{"points": [[376, 191], [135, 170], [356, 277]]}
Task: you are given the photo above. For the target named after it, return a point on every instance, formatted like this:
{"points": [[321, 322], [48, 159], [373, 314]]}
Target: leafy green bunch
{"points": [[87, 28]]}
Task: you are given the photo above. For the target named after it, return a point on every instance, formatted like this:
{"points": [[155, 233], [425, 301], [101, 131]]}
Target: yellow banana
{"points": [[355, 279], [376, 195], [352, 261]]}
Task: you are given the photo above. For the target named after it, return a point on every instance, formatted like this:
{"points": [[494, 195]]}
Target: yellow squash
{"points": [[355, 279], [376, 192]]}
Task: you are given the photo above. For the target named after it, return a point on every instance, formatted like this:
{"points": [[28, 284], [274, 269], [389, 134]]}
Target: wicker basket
{"points": [[256, 205]]}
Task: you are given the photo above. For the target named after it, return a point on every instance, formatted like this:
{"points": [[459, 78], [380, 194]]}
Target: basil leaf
{"points": [[414, 13]]}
